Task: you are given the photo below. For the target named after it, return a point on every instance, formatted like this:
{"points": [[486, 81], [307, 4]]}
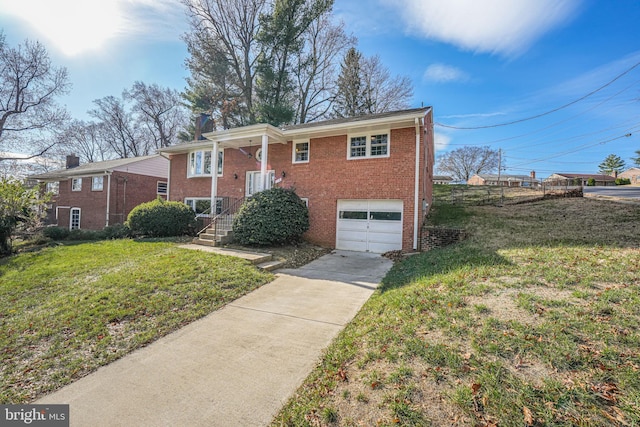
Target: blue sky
{"points": [[479, 63]]}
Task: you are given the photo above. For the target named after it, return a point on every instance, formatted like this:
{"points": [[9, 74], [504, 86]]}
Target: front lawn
{"points": [[533, 321], [66, 310]]}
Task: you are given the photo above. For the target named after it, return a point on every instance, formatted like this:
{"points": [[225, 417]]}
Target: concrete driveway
{"points": [[238, 365]]}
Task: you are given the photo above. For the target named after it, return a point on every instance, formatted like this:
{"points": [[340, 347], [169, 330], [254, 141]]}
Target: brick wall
{"points": [[438, 237], [127, 191], [326, 178]]}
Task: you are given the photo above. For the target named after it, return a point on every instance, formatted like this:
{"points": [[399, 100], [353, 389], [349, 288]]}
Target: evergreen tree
{"points": [[349, 100], [612, 164], [636, 160]]}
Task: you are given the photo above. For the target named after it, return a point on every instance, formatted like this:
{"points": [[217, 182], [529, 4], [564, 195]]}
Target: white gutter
{"points": [[108, 197], [416, 195]]}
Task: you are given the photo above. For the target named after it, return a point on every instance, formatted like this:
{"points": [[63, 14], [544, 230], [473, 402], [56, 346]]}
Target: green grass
{"points": [[534, 320], [66, 310]]}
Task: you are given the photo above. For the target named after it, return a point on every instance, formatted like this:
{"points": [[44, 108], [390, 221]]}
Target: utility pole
{"points": [[499, 173]]}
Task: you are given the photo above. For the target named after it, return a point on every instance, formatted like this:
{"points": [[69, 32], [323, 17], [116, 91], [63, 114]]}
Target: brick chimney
{"points": [[73, 161], [533, 174]]}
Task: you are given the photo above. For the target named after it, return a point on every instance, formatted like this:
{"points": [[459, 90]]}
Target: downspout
{"points": [[263, 161], [108, 198], [214, 178], [416, 195]]}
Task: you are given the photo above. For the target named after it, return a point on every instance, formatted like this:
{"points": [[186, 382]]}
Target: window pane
{"points": [[386, 216], [198, 170], [220, 160], [192, 163], [302, 152], [353, 214], [202, 206], [379, 145], [76, 184], [97, 183], [359, 146], [162, 187], [207, 162]]}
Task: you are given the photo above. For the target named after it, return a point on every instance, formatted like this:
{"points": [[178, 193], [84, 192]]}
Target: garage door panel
{"points": [[380, 230]]}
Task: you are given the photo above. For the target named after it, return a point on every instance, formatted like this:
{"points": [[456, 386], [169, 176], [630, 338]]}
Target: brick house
{"points": [[366, 180], [504, 180], [633, 174], [579, 179], [94, 195]]}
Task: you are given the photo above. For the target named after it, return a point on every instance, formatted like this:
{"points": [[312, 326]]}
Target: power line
{"points": [[545, 113]]}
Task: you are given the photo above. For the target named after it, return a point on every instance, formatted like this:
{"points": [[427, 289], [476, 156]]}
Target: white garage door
{"points": [[369, 225]]}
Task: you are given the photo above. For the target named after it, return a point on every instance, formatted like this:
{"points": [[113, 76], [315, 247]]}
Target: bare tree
{"points": [[383, 92], [467, 161], [230, 26], [159, 110], [316, 71], [85, 140], [118, 128], [29, 85]]}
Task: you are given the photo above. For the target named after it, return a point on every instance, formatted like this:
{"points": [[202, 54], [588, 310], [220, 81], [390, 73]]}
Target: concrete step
{"points": [[270, 265]]}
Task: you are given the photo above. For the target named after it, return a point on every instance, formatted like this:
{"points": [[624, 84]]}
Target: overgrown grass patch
{"points": [[66, 310], [534, 320]]}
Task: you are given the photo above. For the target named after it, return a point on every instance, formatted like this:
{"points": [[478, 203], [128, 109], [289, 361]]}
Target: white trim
{"points": [[416, 195], [293, 150], [368, 135], [264, 161], [214, 177], [71, 218], [79, 181], [166, 188], [249, 182], [93, 181], [191, 172], [108, 199]]}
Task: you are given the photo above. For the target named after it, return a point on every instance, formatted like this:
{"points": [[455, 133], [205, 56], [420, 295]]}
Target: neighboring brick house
{"points": [[633, 174], [581, 179], [95, 195], [366, 180], [504, 180]]}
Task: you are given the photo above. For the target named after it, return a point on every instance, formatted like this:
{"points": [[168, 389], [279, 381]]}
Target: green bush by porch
{"points": [[273, 216], [160, 218]]}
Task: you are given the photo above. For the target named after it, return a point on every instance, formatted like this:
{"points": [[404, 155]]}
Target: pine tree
{"points": [[611, 164], [349, 100]]}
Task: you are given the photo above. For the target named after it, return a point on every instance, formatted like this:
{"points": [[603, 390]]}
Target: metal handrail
{"points": [[230, 210]]}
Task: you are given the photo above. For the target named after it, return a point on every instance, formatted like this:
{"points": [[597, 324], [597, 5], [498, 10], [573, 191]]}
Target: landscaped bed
{"points": [[68, 309], [534, 320]]}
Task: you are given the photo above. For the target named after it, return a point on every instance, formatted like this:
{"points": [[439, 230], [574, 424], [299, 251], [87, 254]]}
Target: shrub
{"points": [[591, 182], [273, 216], [623, 181], [56, 233], [84, 235], [160, 218], [116, 231]]}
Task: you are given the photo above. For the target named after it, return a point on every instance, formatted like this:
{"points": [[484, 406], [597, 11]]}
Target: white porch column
{"points": [[263, 162], [214, 177]]}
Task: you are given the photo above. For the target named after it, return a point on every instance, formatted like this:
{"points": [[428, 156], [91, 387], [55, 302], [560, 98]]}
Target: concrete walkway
{"points": [[240, 364]]}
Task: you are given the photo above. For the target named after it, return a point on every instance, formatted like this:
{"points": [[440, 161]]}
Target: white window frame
{"points": [[192, 166], [96, 179], [71, 221], [369, 136], [294, 151], [305, 200], [191, 202], [249, 190], [76, 184]]}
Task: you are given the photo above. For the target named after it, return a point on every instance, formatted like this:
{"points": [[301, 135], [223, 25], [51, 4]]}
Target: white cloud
{"points": [[443, 73], [506, 27], [79, 26], [441, 141]]}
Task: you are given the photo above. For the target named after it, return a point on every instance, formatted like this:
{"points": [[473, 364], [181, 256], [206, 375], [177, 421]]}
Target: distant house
{"points": [[504, 180], [95, 195], [560, 179], [633, 174], [442, 179]]}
